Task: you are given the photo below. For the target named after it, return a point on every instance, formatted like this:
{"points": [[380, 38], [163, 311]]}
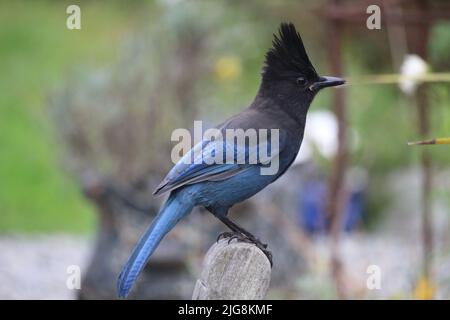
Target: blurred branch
{"points": [[419, 40], [128, 200], [396, 32], [432, 141], [336, 189], [395, 78], [97, 190]]}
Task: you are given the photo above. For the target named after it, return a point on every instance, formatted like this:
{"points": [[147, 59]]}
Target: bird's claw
{"points": [[233, 235], [263, 248], [224, 235], [243, 238]]}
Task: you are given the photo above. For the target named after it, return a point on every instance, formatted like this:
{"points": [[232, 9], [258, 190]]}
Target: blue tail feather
{"points": [[175, 208]]}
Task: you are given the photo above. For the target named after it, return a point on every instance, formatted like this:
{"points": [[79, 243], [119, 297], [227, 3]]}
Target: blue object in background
{"points": [[354, 210], [312, 208]]}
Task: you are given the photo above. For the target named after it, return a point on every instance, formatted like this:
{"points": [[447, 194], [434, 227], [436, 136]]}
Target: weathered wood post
{"points": [[236, 270]]}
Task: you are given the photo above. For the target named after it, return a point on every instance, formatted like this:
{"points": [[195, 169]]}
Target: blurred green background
{"points": [[37, 52]]}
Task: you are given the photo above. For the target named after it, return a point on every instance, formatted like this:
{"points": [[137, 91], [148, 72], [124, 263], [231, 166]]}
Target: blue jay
{"points": [[289, 84]]}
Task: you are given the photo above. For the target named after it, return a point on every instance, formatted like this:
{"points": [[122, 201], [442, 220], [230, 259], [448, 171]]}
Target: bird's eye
{"points": [[301, 81]]}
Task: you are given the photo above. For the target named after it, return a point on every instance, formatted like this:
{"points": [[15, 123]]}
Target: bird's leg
{"points": [[239, 230], [243, 235]]}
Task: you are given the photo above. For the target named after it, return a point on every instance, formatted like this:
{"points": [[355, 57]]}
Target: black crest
{"points": [[288, 56]]}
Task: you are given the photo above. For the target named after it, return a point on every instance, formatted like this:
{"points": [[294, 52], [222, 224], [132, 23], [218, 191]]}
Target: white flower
{"points": [[320, 132], [412, 69]]}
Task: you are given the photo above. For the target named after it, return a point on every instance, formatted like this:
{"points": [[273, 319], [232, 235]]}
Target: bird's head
{"points": [[288, 72]]}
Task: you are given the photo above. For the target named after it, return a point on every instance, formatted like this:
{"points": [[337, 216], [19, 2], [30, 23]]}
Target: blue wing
{"points": [[201, 163]]}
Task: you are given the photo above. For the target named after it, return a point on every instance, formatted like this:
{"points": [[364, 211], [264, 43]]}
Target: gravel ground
{"points": [[36, 267]]}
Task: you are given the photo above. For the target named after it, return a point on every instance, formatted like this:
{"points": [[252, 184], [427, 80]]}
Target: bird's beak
{"points": [[324, 82]]}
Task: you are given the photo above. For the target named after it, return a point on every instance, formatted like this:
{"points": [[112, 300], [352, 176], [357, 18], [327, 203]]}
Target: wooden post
{"points": [[234, 271]]}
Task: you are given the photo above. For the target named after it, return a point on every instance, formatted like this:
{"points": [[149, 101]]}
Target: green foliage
{"points": [[36, 50], [440, 45]]}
